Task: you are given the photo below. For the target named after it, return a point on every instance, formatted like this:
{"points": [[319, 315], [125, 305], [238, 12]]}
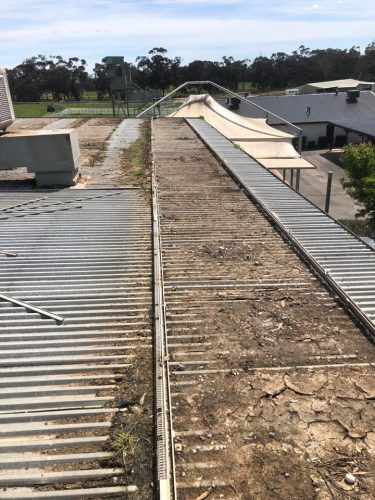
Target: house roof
{"points": [[323, 108], [363, 127], [345, 83]]}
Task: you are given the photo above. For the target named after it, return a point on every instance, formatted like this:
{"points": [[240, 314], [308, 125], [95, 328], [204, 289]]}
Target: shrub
{"points": [[359, 163]]}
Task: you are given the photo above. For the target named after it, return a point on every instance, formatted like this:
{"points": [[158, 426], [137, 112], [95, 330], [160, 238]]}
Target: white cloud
{"points": [[29, 27], [197, 2], [326, 8], [210, 31]]}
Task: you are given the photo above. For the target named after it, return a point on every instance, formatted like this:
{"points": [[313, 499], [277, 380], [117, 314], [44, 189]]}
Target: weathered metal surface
{"points": [[342, 259], [216, 293], [58, 383]]}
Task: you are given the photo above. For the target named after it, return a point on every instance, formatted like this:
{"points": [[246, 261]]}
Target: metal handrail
{"points": [[233, 94]]}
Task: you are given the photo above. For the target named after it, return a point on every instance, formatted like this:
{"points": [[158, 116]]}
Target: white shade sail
{"points": [[252, 135]]}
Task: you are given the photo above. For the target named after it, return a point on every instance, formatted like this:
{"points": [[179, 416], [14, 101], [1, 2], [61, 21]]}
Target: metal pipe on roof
{"points": [[8, 254], [38, 310]]}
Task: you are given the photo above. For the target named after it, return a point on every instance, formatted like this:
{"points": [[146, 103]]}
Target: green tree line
{"points": [[41, 77]]}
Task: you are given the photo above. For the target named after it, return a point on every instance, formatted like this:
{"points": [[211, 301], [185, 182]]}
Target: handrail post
{"points": [[300, 142], [298, 178], [328, 192]]}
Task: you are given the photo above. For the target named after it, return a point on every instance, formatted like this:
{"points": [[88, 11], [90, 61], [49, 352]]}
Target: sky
{"points": [[192, 29]]}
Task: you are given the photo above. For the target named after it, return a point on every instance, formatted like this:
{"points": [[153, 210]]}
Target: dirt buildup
{"points": [[131, 434], [272, 382], [136, 160], [93, 135]]}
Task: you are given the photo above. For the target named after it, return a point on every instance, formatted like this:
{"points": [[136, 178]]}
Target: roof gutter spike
{"points": [[227, 91]]}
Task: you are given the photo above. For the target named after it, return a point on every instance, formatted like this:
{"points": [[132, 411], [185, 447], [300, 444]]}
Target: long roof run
{"points": [[362, 127], [323, 108], [345, 83]]}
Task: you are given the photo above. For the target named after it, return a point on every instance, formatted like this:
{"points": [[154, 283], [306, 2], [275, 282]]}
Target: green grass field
{"points": [[32, 109], [39, 109]]}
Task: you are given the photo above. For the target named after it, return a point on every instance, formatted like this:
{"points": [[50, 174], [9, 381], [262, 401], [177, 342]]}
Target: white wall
{"points": [[313, 131]]}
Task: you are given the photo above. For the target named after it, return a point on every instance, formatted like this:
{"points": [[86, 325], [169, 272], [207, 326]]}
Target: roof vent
{"points": [[234, 103], [6, 106], [352, 95]]}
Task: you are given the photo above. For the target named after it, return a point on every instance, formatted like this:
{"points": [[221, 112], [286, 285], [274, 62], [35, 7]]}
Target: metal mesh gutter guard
{"points": [[164, 439], [342, 259]]}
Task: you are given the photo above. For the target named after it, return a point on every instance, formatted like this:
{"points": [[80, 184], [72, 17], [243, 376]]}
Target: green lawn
{"points": [[86, 104], [32, 109], [39, 109]]}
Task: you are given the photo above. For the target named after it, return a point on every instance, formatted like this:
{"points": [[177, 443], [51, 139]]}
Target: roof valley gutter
{"points": [[163, 404]]}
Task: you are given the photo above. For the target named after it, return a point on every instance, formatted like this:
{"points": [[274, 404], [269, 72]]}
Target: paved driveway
{"points": [[313, 184]]}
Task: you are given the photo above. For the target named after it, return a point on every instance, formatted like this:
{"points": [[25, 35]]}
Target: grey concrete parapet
{"points": [[45, 179], [53, 155]]}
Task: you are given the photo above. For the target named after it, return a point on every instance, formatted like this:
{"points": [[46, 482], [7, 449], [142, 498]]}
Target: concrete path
{"points": [[63, 123], [106, 171], [313, 184]]}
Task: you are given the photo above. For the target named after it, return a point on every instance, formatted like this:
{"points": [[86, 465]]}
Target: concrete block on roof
{"points": [[52, 179], [43, 151]]}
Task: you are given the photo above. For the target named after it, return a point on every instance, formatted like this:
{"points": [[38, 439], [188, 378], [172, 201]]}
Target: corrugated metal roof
{"points": [[323, 107], [363, 127], [347, 264], [85, 255]]}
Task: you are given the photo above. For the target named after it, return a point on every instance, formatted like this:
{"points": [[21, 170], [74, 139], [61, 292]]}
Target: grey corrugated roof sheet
{"points": [[323, 107], [363, 127]]}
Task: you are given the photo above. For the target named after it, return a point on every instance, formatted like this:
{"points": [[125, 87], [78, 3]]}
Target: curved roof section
{"points": [[236, 127], [252, 135]]}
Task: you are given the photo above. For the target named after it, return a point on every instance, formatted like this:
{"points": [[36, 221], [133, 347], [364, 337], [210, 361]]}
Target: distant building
{"points": [[292, 91], [324, 118], [120, 81], [115, 72], [333, 85]]}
